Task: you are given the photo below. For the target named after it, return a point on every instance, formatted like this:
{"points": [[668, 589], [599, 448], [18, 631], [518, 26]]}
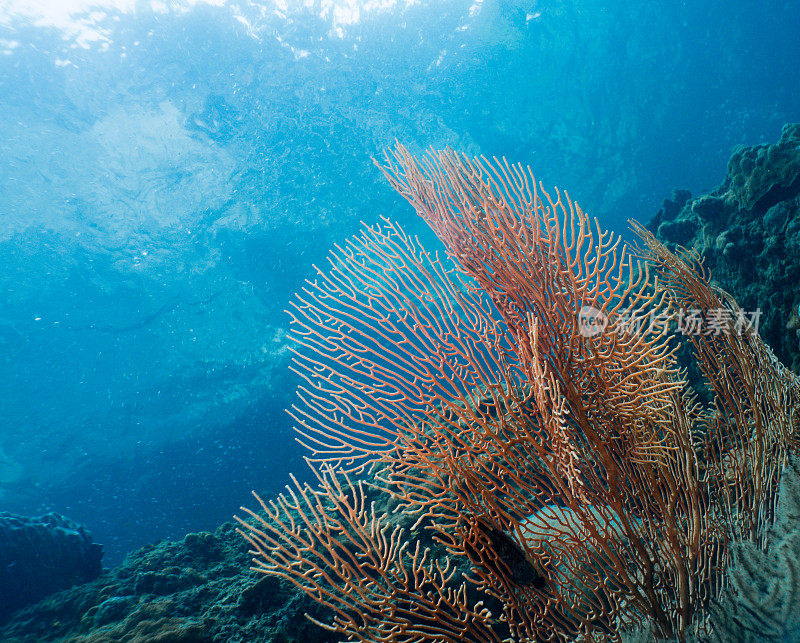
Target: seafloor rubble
{"points": [[747, 231]]}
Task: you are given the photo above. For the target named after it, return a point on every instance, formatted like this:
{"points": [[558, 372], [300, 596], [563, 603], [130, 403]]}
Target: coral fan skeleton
{"points": [[576, 477]]}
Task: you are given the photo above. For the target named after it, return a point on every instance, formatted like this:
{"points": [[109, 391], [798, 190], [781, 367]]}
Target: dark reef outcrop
{"points": [[747, 231], [194, 590], [763, 175], [39, 556]]}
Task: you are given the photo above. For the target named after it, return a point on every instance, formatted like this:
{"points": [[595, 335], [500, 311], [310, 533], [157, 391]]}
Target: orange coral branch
{"points": [[333, 545], [586, 487]]}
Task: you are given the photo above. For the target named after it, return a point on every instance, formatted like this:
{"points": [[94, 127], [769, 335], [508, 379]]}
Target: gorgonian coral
{"points": [[518, 399]]}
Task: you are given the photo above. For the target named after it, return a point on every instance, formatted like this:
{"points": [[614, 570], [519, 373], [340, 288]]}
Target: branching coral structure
{"points": [[518, 399]]}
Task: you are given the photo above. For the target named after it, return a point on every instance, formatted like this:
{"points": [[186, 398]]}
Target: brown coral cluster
{"points": [[516, 397]]}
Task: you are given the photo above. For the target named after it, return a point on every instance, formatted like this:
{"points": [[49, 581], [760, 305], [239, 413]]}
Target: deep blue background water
{"points": [[167, 185]]}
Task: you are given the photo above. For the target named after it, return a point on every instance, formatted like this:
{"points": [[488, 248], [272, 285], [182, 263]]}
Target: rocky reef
{"points": [[197, 589], [41, 555], [747, 232]]}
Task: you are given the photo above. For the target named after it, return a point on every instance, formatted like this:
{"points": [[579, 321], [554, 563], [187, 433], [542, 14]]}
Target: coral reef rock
{"points": [[747, 231], [196, 589], [39, 556]]}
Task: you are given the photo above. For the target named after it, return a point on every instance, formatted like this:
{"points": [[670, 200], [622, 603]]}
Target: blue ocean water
{"points": [[171, 172]]}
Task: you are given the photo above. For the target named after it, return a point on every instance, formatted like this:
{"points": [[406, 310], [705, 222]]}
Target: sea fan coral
{"points": [[522, 398], [761, 603]]}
